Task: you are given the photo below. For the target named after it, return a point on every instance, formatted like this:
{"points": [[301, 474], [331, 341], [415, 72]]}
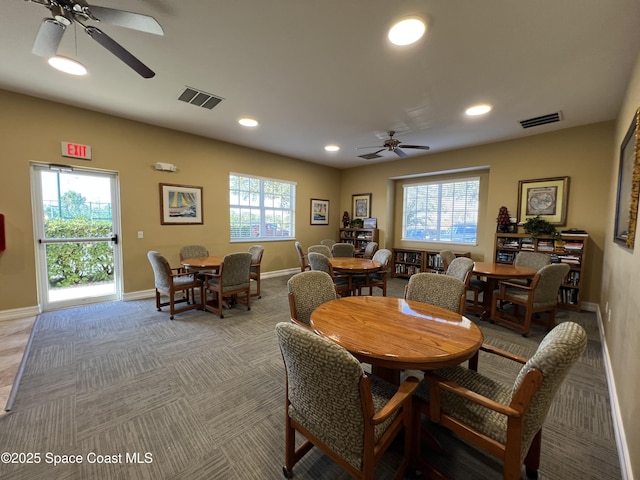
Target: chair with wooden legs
{"points": [[231, 281], [440, 290], [304, 264], [256, 252], [307, 291]]}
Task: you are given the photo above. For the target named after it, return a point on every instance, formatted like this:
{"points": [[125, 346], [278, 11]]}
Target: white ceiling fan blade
{"points": [[120, 18], [48, 38], [119, 51]]}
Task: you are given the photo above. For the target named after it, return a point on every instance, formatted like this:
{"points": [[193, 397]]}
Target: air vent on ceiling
{"points": [[199, 98], [370, 156], [542, 120]]}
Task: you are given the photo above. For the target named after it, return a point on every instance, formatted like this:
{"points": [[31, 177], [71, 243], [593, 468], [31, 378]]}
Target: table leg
{"points": [[390, 375], [487, 297]]}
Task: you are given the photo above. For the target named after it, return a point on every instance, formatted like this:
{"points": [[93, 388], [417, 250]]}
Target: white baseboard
{"points": [[618, 427], [19, 313]]}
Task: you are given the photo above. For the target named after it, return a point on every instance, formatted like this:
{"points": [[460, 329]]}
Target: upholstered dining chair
{"points": [[256, 252], [307, 291], [541, 296], [442, 291], [323, 249], [376, 279], [461, 268], [327, 242], [302, 257], [535, 260], [231, 280], [447, 256], [343, 250], [169, 281], [321, 263], [504, 420], [193, 251], [351, 417], [370, 250]]}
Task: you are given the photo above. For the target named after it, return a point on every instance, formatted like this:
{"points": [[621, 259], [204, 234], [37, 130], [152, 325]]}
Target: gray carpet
{"points": [[203, 398]]}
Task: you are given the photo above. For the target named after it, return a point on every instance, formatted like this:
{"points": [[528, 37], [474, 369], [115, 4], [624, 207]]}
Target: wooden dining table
{"points": [[211, 262], [494, 272], [354, 265], [394, 334]]}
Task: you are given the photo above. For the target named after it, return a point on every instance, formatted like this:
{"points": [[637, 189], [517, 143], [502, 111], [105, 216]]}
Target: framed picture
{"points": [[180, 204], [319, 212], [361, 207], [628, 186], [544, 197]]}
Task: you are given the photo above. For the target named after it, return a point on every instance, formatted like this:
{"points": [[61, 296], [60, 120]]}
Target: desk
{"points": [[495, 272], [393, 334]]}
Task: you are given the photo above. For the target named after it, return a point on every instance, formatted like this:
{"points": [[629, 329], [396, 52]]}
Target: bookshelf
{"points": [[358, 237], [568, 248], [407, 261]]}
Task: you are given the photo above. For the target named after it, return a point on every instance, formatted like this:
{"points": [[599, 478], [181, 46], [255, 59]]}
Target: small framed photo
{"points": [[361, 207], [544, 197], [370, 223], [319, 212], [180, 204]]}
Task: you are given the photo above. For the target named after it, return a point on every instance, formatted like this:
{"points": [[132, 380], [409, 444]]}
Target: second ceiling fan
{"points": [[393, 145]]}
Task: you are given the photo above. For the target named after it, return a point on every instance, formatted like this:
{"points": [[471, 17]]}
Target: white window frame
{"points": [[452, 222], [255, 214]]}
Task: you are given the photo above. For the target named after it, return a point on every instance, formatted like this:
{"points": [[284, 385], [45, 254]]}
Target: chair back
{"points": [[256, 252], [323, 249], [555, 356], [161, 270], [193, 251], [319, 262], [535, 260], [547, 282], [307, 291], [447, 256], [383, 257], [370, 250], [323, 389], [460, 268], [301, 257], [442, 291], [343, 250], [235, 270], [327, 242]]}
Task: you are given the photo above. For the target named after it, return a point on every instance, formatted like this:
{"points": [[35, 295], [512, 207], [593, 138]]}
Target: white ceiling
{"points": [[315, 72]]}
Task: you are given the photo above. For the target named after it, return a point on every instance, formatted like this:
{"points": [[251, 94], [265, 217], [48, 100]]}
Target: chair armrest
{"points": [[503, 353], [217, 274], [404, 393], [437, 383], [183, 274], [505, 284]]}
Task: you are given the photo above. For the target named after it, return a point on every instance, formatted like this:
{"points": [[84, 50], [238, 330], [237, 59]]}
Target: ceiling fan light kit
{"points": [[67, 65], [392, 145], [407, 31]]}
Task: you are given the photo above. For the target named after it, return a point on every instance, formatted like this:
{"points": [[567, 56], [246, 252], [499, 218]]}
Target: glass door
{"points": [[77, 221]]}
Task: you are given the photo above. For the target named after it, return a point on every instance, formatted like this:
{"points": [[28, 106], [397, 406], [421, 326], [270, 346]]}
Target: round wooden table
{"points": [[353, 265], [494, 272], [393, 334], [211, 262]]}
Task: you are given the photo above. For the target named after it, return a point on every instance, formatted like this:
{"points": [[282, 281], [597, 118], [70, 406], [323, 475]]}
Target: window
{"points": [[445, 211], [261, 208]]}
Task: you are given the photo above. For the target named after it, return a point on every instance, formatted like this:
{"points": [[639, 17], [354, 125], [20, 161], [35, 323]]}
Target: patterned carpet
{"points": [[137, 396]]}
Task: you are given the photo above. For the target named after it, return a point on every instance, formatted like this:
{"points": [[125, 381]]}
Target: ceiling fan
{"points": [[394, 145], [66, 12]]}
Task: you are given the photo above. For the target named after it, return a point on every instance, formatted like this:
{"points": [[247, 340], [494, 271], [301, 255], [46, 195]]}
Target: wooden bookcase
{"points": [[407, 261], [568, 248], [358, 237]]}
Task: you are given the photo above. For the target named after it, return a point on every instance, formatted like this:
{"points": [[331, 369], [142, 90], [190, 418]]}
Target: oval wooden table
{"points": [[494, 272]]}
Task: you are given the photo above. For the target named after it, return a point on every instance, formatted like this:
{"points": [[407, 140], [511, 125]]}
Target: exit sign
{"points": [[75, 150]]}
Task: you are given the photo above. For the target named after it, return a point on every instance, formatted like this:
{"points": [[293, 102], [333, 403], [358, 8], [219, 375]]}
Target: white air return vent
{"points": [[199, 98], [542, 120], [370, 156]]}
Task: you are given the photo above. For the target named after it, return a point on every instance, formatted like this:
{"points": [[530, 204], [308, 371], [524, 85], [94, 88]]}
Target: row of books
{"points": [[568, 295], [407, 269], [409, 257]]}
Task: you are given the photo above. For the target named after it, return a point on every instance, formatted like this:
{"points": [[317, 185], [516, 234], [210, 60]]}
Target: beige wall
{"points": [[582, 153], [32, 129], [620, 292]]}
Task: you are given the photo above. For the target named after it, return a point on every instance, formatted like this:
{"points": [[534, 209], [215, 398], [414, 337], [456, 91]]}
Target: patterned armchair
{"points": [[442, 291], [447, 256], [320, 262], [304, 265], [353, 418], [461, 268], [376, 279], [169, 281], [307, 291], [343, 250], [193, 251], [504, 420], [232, 280], [540, 296], [327, 242], [370, 250], [323, 249], [535, 260], [256, 252]]}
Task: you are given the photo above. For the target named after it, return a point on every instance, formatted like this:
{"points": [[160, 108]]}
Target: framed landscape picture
{"points": [[180, 204], [319, 212], [628, 186], [544, 197], [361, 207]]}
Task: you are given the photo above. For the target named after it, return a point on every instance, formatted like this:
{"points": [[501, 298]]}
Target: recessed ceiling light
{"points": [[248, 122], [332, 148], [67, 65], [407, 31], [478, 110]]}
